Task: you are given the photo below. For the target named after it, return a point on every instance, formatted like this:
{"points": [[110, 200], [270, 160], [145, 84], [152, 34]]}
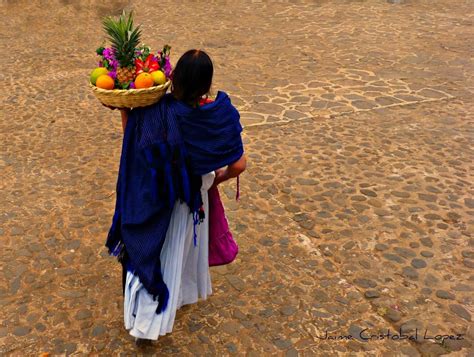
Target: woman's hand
{"points": [[220, 176], [114, 108], [231, 171]]}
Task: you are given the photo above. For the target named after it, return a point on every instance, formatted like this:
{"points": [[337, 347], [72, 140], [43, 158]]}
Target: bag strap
{"points": [[237, 195]]}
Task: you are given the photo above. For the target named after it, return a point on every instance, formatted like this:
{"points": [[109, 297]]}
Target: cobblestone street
{"points": [[356, 210]]}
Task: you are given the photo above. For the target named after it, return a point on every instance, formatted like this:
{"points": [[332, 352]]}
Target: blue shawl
{"points": [[166, 148]]}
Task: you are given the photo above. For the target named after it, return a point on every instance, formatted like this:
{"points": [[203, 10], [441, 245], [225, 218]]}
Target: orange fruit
{"points": [[104, 81], [144, 80]]}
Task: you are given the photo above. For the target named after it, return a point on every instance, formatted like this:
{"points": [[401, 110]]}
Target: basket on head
{"points": [[130, 98]]}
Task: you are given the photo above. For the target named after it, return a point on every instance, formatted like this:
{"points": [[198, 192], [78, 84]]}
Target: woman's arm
{"points": [[233, 170], [124, 114]]}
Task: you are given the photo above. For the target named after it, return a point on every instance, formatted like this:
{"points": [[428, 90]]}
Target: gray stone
{"points": [[427, 242], [367, 192], [418, 263], [355, 332], [414, 245], [21, 330], [288, 310], [365, 283], [267, 242], [231, 347], [70, 348], [266, 312], [281, 343], [433, 217], [469, 202], [17, 231], [406, 350], [231, 327], [468, 254], [40, 327], [426, 254], [460, 311], [400, 194], [443, 294], [405, 252], [236, 282], [468, 263], [463, 287], [349, 245], [427, 197], [426, 291], [342, 300], [329, 266], [431, 280], [306, 181], [409, 272], [363, 104], [291, 353], [371, 294], [203, 338], [321, 296], [381, 212], [411, 325], [381, 247], [393, 257], [98, 330], [307, 224], [83, 314], [393, 315]]}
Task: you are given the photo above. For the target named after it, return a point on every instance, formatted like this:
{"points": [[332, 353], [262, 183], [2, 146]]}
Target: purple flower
{"points": [[113, 74], [101, 64], [114, 64], [108, 54], [132, 85], [167, 68]]}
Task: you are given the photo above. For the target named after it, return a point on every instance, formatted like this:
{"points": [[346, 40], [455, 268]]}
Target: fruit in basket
{"points": [[158, 77], [96, 73], [104, 81], [124, 38], [144, 80]]}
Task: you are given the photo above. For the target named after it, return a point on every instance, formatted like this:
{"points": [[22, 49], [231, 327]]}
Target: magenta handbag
{"points": [[222, 247]]}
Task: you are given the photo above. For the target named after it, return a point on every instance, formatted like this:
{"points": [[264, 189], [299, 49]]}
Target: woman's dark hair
{"points": [[192, 76]]}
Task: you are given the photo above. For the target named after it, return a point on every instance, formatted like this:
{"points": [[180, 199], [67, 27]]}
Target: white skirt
{"points": [[185, 270]]}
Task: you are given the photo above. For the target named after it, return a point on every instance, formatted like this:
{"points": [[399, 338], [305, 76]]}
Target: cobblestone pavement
{"points": [[356, 209]]}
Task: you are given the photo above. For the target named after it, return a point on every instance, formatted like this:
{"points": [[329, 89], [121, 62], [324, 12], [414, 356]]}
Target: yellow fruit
{"points": [[105, 82], [98, 72], [144, 80], [158, 77]]}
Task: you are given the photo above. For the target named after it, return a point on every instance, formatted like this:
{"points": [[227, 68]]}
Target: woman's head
{"points": [[192, 76]]}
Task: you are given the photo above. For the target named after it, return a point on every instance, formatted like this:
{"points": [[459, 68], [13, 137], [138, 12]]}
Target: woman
{"points": [[171, 155]]}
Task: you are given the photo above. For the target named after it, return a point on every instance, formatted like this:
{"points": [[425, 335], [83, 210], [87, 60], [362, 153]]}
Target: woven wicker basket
{"points": [[130, 98]]}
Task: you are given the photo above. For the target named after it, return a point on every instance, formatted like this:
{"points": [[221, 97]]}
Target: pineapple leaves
{"points": [[123, 37]]}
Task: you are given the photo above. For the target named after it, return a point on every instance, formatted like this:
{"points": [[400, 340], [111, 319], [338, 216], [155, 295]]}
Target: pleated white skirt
{"points": [[185, 270]]}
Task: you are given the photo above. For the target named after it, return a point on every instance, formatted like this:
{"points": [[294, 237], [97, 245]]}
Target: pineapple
{"points": [[125, 39]]}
